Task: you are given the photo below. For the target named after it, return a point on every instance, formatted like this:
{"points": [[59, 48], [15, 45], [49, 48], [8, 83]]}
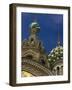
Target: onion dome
{"points": [[56, 54]]}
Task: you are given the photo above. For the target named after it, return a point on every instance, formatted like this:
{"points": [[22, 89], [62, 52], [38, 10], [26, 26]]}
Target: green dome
{"points": [[56, 54]]}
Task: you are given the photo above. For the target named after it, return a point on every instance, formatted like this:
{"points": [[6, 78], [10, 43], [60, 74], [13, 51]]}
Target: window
{"points": [[58, 69]]}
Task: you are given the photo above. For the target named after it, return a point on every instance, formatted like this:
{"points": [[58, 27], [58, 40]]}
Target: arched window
{"points": [[32, 39], [29, 57], [58, 69], [61, 70], [42, 61]]}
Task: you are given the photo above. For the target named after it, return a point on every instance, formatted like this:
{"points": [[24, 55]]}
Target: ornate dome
{"points": [[56, 54]]}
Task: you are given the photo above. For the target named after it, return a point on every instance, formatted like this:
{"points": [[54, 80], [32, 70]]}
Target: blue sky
{"points": [[49, 26]]}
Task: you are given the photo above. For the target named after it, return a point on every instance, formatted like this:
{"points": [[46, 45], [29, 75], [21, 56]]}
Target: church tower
{"points": [[33, 46], [34, 59]]}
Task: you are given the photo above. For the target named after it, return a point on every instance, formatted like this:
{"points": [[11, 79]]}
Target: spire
{"points": [[58, 38], [58, 34]]}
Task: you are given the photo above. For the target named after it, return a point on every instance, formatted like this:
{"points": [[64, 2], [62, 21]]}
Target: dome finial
{"points": [[34, 27]]}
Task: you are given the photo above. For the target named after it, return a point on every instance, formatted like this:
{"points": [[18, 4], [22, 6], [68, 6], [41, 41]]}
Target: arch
{"points": [[35, 68], [29, 57], [32, 53]]}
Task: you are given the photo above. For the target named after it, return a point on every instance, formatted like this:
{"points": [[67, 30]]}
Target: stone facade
{"points": [[34, 58]]}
